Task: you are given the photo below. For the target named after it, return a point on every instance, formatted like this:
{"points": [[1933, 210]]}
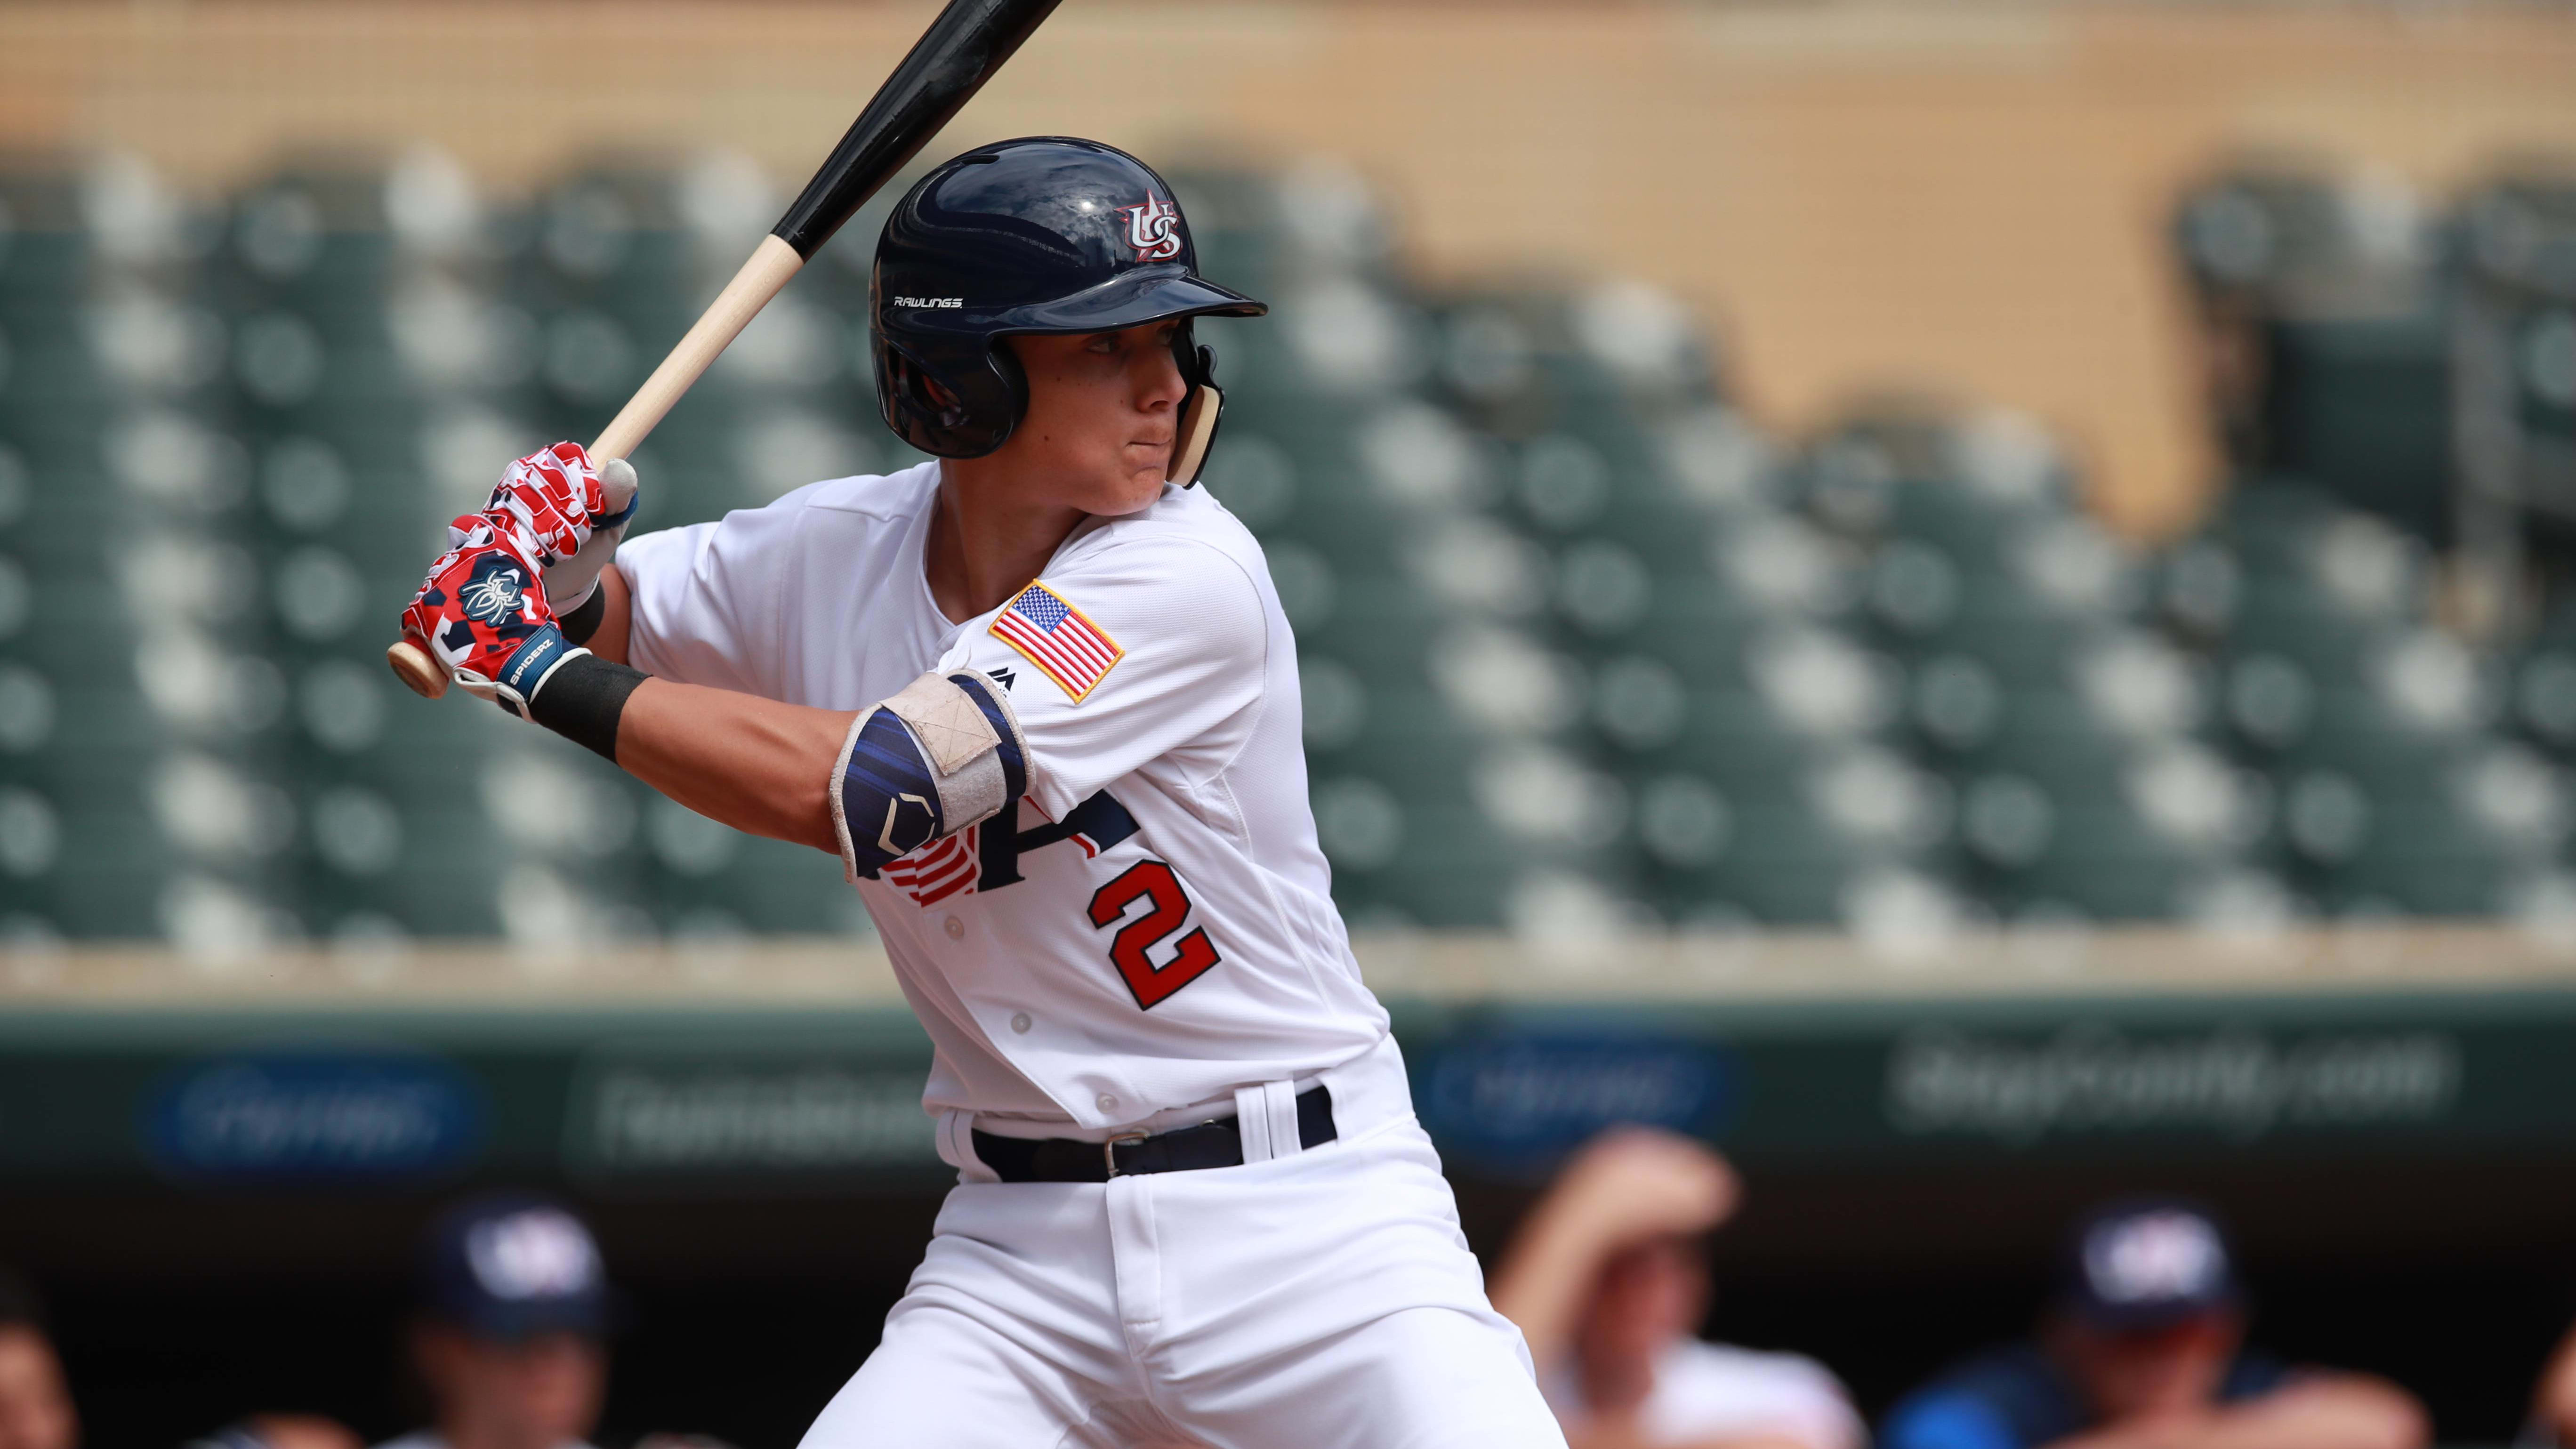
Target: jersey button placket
{"points": [[955, 928], [1020, 1022]]}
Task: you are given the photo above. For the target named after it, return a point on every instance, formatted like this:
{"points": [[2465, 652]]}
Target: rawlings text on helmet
{"points": [[1153, 229]]}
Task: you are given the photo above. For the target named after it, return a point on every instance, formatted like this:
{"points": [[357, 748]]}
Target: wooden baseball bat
{"points": [[945, 68]]}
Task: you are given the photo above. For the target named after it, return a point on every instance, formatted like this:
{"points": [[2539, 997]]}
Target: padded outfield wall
{"points": [[2388, 1115]]}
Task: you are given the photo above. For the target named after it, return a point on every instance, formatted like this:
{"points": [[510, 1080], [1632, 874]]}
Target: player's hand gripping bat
{"points": [[958, 53]]}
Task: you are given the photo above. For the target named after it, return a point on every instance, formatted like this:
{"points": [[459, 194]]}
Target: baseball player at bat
{"points": [[1039, 697]]}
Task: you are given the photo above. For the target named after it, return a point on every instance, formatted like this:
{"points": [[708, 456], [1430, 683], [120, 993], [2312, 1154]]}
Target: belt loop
{"points": [[1279, 1104], [957, 1147], [1252, 1120]]}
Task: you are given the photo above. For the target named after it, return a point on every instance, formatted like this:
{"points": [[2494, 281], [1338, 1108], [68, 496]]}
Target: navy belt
{"points": [[1183, 1149]]}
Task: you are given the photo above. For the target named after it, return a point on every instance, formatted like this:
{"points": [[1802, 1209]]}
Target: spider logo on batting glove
{"points": [[493, 597], [482, 615]]}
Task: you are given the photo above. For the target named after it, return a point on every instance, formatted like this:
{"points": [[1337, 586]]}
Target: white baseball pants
{"points": [[1315, 1300]]}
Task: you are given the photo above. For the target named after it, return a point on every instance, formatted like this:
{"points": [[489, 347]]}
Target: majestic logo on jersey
{"points": [[1058, 639], [1003, 677], [492, 596], [1153, 229], [987, 857]]}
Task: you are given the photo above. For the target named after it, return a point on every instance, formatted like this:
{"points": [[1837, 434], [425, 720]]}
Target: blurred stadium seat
{"points": [[1585, 651]]}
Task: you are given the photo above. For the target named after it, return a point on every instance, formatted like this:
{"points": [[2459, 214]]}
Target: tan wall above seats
{"points": [[1967, 196]]}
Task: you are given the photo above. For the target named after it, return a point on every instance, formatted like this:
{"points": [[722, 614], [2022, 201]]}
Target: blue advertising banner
{"points": [[1512, 1101], [315, 1114]]}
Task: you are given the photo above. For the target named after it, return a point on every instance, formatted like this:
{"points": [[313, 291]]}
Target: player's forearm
{"points": [[754, 764], [611, 629], [1628, 1186], [1543, 1279]]}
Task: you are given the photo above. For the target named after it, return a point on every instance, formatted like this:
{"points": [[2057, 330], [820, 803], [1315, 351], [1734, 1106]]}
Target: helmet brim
{"points": [[1130, 299]]}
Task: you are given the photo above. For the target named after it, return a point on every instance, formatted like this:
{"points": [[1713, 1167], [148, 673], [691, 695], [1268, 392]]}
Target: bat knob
{"points": [[616, 486], [418, 672]]}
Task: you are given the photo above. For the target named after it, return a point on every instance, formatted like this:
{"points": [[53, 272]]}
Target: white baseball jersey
{"points": [[1156, 927]]}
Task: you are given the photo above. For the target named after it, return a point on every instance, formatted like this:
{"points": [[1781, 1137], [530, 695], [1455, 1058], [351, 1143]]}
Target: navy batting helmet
{"points": [[1047, 234]]}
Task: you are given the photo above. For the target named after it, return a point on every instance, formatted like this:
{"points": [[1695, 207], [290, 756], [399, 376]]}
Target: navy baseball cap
{"points": [[513, 1266], [2147, 1264]]}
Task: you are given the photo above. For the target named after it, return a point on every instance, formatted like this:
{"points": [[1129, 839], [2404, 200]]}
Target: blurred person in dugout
{"points": [[2553, 1402], [511, 1341], [1608, 1280], [35, 1404], [281, 1431], [2144, 1348]]}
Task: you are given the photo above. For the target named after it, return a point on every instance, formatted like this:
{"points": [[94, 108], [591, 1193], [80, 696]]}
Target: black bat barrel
{"points": [[958, 53]]}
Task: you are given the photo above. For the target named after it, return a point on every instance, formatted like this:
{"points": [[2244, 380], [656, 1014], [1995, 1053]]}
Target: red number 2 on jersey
{"points": [[1131, 948]]}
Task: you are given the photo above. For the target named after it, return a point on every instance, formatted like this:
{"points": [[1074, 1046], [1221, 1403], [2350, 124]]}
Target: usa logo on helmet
{"points": [[1153, 229]]}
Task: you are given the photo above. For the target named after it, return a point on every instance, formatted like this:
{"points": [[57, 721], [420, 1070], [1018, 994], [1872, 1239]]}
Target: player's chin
{"points": [[1137, 485]]}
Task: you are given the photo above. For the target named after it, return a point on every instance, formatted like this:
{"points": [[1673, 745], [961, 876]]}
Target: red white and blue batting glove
{"points": [[482, 613], [547, 505]]}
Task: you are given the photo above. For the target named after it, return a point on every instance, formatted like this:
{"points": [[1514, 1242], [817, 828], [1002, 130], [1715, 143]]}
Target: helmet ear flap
{"points": [[1015, 389], [928, 396], [918, 407], [951, 411], [897, 399], [1201, 408]]}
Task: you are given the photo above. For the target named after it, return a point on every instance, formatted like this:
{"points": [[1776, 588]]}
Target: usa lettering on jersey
{"points": [[982, 858]]}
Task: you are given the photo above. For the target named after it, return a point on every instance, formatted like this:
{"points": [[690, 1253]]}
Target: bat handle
{"points": [[761, 278]]}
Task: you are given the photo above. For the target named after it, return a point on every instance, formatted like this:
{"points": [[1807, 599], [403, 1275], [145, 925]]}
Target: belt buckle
{"points": [[1109, 1150]]}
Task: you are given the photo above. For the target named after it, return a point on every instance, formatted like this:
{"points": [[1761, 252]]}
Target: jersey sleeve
{"points": [[1143, 651], [708, 601]]}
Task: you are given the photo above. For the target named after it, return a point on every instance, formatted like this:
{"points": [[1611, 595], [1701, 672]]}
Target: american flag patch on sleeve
{"points": [[1054, 636]]}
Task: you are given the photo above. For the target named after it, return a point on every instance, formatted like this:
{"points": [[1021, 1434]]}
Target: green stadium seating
{"points": [[1531, 550]]}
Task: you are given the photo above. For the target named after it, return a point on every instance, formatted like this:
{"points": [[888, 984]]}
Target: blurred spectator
{"points": [[1608, 1281], [35, 1405], [282, 1431], [2144, 1349], [511, 1342], [2553, 1403]]}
